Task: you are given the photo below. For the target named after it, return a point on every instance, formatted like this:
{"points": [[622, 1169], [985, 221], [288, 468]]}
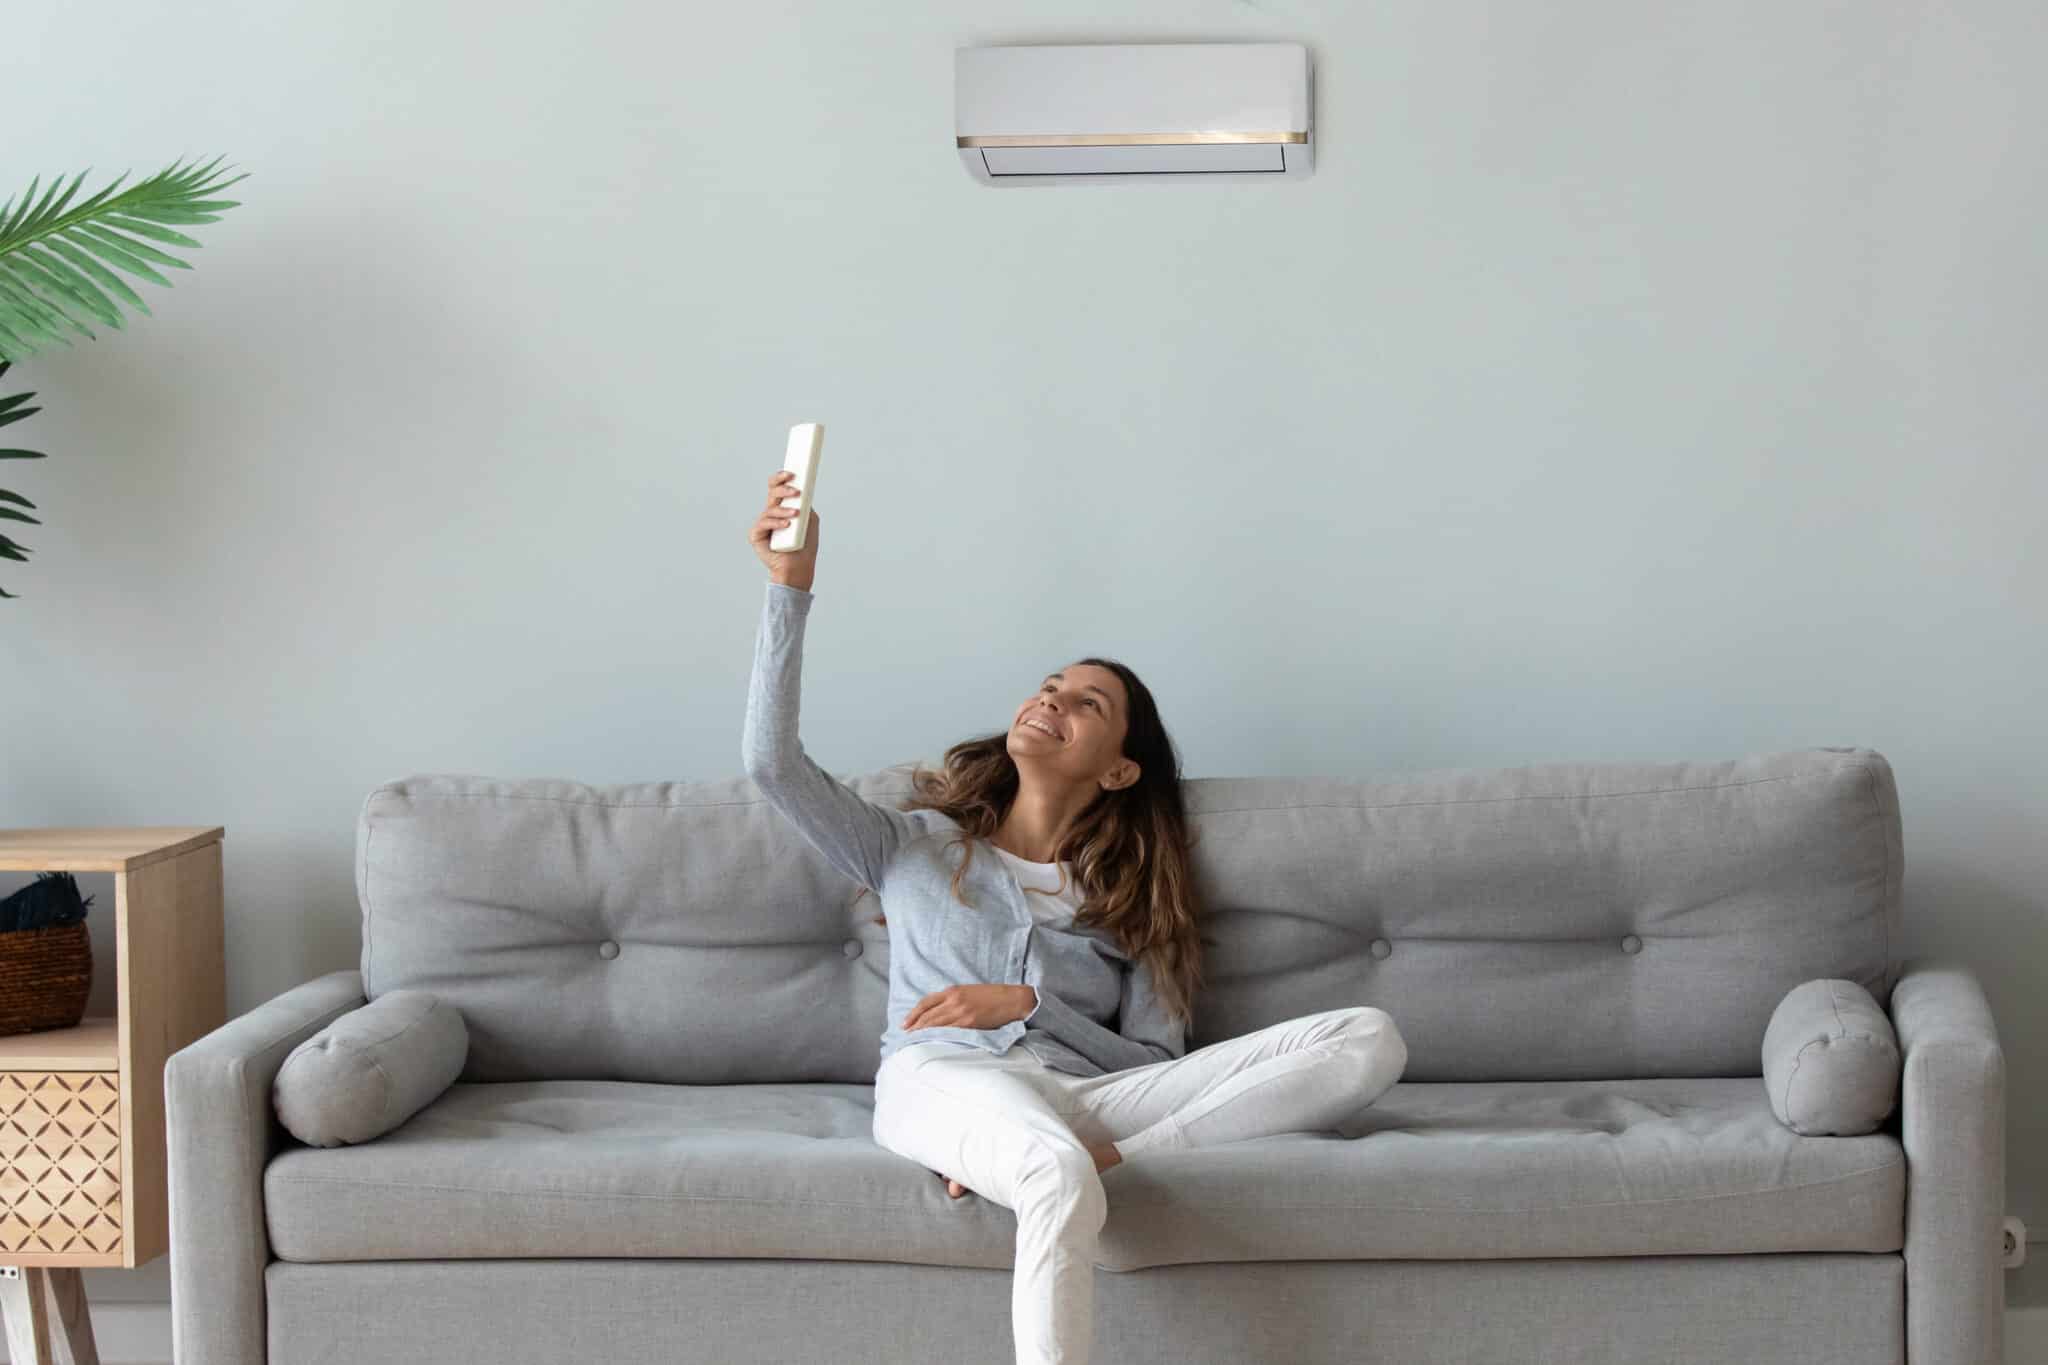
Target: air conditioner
{"points": [[1047, 115]]}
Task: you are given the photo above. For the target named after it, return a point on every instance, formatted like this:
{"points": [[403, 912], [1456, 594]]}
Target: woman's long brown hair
{"points": [[1130, 848]]}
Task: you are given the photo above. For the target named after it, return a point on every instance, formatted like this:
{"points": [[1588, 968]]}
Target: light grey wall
{"points": [[1630, 381]]}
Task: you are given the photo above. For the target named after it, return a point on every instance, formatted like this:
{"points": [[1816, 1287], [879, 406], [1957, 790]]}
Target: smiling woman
{"points": [[1086, 777], [1092, 997], [1085, 774], [1037, 1033]]}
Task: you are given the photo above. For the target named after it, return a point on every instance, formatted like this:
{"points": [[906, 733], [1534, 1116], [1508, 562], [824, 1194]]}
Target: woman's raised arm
{"points": [[857, 836]]}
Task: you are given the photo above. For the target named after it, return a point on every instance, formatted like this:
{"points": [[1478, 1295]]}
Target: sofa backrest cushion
{"points": [[1561, 921]]}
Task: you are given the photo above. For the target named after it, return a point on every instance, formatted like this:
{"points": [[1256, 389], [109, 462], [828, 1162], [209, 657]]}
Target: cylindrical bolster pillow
{"points": [[371, 1069], [1831, 1060]]}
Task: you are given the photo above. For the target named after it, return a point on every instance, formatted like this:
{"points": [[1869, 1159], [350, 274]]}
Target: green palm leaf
{"points": [[57, 262], [11, 411]]}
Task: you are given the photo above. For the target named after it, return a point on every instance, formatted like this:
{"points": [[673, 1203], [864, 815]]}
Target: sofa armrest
{"points": [[220, 1132], [1952, 1124]]}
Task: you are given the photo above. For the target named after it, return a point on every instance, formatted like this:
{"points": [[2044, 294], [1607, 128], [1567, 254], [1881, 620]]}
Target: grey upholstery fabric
{"points": [[670, 998], [1429, 1170], [1952, 1108], [1831, 1060], [220, 1132], [371, 1069], [1564, 921], [1671, 1310]]}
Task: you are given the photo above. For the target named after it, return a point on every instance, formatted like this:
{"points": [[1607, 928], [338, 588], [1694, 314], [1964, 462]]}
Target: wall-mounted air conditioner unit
{"points": [[1126, 111]]}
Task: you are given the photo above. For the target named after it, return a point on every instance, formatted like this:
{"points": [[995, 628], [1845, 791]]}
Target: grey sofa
{"points": [[659, 1146]]}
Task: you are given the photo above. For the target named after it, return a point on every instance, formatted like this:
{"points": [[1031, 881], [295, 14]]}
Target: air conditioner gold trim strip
{"points": [[1123, 139]]}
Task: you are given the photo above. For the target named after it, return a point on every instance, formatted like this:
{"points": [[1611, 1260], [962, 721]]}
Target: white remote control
{"points": [[806, 439]]}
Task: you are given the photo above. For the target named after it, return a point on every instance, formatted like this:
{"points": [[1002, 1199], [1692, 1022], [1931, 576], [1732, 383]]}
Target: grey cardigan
{"points": [[907, 858]]}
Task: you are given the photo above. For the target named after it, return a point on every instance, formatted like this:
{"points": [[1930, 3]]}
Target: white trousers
{"points": [[1014, 1130]]}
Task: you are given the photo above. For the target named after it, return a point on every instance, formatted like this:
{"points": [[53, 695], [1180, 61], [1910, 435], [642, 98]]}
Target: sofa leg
{"points": [[45, 1313]]}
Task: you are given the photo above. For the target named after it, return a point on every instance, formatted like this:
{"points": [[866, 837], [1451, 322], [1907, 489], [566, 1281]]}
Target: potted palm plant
{"points": [[58, 262]]}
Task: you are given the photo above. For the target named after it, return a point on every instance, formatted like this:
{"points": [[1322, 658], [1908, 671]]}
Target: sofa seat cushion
{"points": [[1430, 1170]]}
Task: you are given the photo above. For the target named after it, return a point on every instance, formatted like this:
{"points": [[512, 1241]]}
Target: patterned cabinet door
{"points": [[60, 1163]]}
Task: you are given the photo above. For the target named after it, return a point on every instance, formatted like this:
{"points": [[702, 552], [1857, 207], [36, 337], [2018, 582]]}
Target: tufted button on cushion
{"points": [[607, 949], [851, 947], [1380, 947], [1631, 944]]}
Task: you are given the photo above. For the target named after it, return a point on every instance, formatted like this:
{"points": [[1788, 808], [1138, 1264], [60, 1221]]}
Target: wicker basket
{"points": [[45, 976]]}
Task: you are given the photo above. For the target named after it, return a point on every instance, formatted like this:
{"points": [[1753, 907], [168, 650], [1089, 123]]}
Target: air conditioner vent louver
{"points": [[1111, 111]]}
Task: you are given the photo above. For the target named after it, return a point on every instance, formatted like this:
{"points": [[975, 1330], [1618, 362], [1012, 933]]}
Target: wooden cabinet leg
{"points": [[70, 1324], [47, 1322]]}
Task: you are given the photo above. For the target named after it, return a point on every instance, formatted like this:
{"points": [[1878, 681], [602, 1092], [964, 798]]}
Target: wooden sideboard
{"points": [[82, 1161]]}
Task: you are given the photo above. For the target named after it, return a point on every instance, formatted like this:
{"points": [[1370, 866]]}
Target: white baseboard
{"points": [[140, 1334]]}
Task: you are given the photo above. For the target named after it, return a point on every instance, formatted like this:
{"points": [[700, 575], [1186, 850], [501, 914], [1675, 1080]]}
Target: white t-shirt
{"points": [[1042, 883]]}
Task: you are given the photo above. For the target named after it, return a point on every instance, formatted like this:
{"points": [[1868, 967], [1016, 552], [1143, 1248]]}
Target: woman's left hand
{"points": [[977, 1006]]}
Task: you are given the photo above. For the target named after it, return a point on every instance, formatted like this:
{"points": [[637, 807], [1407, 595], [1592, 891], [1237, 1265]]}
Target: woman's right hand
{"points": [[797, 568]]}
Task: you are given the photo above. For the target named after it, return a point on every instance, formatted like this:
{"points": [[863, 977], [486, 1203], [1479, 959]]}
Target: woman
{"points": [[1000, 1069]]}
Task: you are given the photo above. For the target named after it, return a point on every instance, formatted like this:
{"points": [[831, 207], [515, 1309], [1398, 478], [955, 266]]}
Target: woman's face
{"points": [[1085, 709]]}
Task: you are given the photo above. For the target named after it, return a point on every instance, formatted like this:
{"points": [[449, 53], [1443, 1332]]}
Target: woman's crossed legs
{"points": [[1017, 1132]]}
